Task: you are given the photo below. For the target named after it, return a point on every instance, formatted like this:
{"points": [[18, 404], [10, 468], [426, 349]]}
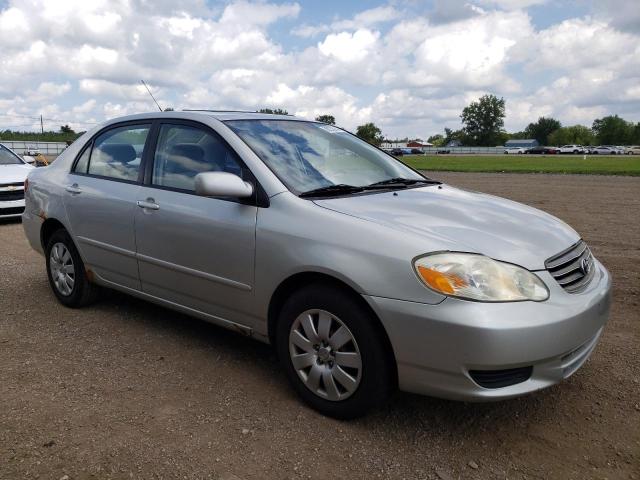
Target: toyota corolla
{"points": [[13, 172], [364, 274]]}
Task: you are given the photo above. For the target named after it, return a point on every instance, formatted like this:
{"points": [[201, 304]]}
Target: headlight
{"points": [[476, 277]]}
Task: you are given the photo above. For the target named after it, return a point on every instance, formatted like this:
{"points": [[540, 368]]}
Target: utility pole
{"points": [[41, 125]]}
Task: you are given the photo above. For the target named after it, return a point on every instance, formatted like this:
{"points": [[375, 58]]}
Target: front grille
{"points": [[501, 378], [573, 268], [8, 195], [11, 211]]}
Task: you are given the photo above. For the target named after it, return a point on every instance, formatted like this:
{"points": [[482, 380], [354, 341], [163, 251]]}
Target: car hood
{"points": [[14, 173], [458, 220]]}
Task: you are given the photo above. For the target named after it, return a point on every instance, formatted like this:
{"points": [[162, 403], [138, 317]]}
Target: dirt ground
{"points": [[125, 389]]}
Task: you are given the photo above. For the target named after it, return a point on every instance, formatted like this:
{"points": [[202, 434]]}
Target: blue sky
{"points": [[410, 66]]}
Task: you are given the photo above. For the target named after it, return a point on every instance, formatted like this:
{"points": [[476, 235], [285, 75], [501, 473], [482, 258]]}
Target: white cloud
{"points": [[50, 89], [349, 47], [512, 4], [365, 19], [241, 14], [405, 65], [583, 43]]}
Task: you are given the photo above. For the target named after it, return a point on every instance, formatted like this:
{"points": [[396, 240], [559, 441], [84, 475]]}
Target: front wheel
{"points": [[334, 352], [66, 272]]}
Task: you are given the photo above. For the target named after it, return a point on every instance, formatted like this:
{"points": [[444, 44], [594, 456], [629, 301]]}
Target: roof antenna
{"points": [[154, 98]]}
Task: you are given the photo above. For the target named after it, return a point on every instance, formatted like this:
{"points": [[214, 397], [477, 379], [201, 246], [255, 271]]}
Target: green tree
{"points": [[328, 119], [516, 136], [277, 111], [635, 139], [613, 130], [370, 133], [437, 140], [451, 135], [66, 129], [574, 135], [38, 136], [541, 129], [483, 121]]}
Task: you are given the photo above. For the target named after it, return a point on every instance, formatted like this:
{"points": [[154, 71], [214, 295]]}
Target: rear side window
{"points": [[83, 162], [117, 153], [184, 151]]}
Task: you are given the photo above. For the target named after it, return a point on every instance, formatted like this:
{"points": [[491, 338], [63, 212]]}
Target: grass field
{"points": [[595, 165]]}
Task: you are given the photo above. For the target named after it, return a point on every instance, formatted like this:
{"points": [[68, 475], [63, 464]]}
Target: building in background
{"points": [[419, 144], [521, 142]]}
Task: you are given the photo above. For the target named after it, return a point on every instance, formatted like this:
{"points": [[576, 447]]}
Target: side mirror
{"points": [[222, 184], [29, 159]]}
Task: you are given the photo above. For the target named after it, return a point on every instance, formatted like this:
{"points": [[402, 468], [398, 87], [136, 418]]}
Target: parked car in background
{"points": [[416, 151], [29, 159], [603, 150], [574, 149], [514, 150], [13, 173], [364, 274], [397, 152], [633, 150], [543, 151]]}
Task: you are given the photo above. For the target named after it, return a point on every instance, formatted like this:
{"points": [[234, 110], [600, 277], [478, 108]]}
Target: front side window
{"points": [[7, 157], [309, 155], [117, 153], [184, 151]]}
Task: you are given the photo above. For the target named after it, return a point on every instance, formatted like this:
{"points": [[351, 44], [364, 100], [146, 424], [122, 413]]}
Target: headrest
{"points": [[189, 150], [119, 152]]}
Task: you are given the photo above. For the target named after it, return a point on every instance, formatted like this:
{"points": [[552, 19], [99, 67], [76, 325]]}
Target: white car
{"points": [[575, 149], [604, 150], [13, 172], [633, 150], [510, 150]]}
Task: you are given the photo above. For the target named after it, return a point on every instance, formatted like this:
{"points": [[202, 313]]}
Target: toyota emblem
{"points": [[586, 265]]}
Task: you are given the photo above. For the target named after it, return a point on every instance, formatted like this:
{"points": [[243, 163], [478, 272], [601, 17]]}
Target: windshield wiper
{"points": [[403, 182], [344, 189], [330, 190]]}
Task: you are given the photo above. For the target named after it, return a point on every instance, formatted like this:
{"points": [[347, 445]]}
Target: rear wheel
{"points": [[66, 272], [334, 352]]}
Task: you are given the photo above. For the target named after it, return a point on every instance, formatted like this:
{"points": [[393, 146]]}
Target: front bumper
{"points": [[11, 208], [437, 345]]}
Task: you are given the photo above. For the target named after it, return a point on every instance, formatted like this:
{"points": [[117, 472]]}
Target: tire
{"points": [[66, 272], [325, 388]]}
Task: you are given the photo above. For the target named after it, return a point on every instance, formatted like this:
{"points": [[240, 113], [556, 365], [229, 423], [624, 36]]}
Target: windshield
{"points": [[307, 155], [7, 157]]}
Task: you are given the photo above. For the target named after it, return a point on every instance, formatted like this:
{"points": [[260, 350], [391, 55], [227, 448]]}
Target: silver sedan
{"points": [[364, 274]]}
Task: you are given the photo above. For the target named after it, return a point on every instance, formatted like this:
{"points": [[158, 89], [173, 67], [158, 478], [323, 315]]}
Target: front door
{"points": [[100, 200], [192, 250]]}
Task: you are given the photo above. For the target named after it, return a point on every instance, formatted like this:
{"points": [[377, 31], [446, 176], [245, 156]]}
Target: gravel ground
{"points": [[125, 389]]}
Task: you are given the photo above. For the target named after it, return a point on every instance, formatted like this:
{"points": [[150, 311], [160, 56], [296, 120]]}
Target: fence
{"points": [[465, 150], [46, 148]]}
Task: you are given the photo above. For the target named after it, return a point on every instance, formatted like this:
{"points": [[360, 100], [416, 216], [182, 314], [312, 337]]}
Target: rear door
{"points": [[100, 201], [192, 250]]}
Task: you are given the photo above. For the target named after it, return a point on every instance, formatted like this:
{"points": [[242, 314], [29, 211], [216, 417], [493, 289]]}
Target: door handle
{"points": [[74, 189], [148, 204]]}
